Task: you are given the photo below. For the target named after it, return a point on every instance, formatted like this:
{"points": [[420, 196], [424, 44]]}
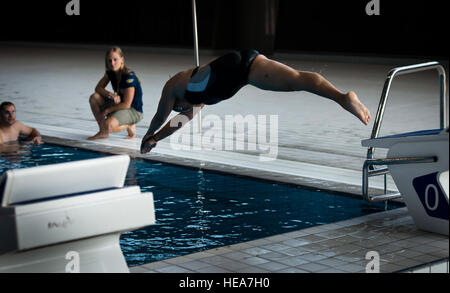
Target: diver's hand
{"points": [[148, 143]]}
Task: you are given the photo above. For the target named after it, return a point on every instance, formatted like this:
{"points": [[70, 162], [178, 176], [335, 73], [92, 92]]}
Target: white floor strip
{"points": [[234, 159]]}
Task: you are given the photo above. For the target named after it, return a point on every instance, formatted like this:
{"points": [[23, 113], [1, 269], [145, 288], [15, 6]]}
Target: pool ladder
{"points": [[369, 169]]}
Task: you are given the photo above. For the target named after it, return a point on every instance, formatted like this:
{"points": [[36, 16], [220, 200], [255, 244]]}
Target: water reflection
{"points": [[13, 153]]}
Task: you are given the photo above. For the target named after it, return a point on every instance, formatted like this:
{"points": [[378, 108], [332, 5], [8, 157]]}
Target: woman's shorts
{"points": [[127, 116]]}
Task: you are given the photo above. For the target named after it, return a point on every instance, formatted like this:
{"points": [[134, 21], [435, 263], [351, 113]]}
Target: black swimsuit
{"points": [[221, 79]]}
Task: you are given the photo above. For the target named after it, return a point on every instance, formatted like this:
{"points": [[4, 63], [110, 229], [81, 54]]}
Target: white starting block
{"points": [[68, 217], [419, 165], [418, 161]]}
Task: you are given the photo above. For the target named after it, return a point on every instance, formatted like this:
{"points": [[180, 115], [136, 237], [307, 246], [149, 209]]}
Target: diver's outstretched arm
{"points": [[150, 139]]}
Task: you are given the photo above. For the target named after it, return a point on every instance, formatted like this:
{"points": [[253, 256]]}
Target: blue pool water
{"points": [[198, 210]]}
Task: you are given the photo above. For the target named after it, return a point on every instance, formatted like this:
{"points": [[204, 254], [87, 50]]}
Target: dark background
{"points": [[405, 28]]}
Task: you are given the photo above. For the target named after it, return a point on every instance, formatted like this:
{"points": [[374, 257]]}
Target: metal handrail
{"points": [[387, 85], [384, 171]]}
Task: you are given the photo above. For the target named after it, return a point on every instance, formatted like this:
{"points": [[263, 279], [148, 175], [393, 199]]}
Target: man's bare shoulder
{"points": [[17, 125], [21, 129]]}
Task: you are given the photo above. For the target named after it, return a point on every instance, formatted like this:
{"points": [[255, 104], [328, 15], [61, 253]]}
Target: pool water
{"points": [[198, 210]]}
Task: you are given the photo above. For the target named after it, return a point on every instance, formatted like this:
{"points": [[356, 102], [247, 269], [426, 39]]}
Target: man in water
{"points": [[11, 129]]}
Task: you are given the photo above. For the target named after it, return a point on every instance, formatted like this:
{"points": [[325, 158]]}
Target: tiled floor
{"points": [[335, 248]]}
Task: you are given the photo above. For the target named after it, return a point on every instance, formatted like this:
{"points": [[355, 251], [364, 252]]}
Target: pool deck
{"points": [[334, 248], [50, 86]]}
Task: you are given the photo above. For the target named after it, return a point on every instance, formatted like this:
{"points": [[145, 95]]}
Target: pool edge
{"points": [[256, 174]]}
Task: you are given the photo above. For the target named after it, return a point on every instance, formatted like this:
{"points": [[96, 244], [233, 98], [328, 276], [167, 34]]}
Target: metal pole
{"points": [[194, 22], [196, 55]]}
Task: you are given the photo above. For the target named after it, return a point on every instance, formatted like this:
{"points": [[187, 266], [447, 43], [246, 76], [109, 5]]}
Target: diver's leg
{"points": [[271, 75]]}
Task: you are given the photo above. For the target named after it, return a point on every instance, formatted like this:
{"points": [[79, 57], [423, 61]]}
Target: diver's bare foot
{"points": [[99, 135], [131, 131], [352, 104]]}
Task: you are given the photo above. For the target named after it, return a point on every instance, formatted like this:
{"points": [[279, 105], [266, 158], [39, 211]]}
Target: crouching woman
{"points": [[122, 109]]}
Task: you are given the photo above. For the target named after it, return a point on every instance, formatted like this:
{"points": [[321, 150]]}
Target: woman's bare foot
{"points": [[352, 104], [131, 131], [98, 136]]}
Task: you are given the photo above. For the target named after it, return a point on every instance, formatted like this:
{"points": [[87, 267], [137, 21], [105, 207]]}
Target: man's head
{"points": [[7, 113]]}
